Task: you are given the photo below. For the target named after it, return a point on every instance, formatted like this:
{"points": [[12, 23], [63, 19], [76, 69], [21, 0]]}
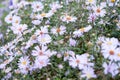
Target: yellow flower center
{"points": [[24, 62], [88, 75], [119, 54], [33, 37], [43, 40], [90, 0], [109, 43], [66, 54], [43, 14], [82, 29], [16, 21], [68, 18], [112, 1]]}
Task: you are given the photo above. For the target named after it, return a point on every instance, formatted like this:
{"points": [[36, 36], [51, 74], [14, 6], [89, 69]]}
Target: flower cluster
{"points": [[110, 49], [57, 39]]}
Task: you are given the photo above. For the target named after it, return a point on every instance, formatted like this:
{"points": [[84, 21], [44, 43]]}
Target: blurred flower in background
{"points": [[13, 3]]}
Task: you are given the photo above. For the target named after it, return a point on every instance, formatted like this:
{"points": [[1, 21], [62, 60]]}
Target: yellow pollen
{"points": [[43, 14], [24, 62], [109, 43], [82, 29], [68, 17], [66, 54], [16, 21], [90, 0], [33, 37], [112, 1], [119, 54], [88, 75], [43, 40]]}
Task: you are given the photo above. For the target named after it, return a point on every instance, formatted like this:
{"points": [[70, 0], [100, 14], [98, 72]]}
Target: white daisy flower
{"points": [[79, 61], [92, 17], [68, 54], [112, 2], [41, 61], [109, 42], [40, 51], [23, 62], [55, 6], [60, 30], [80, 32], [90, 2], [44, 39], [36, 22], [18, 29], [43, 30], [68, 19], [24, 71], [22, 4], [99, 11], [109, 52], [88, 73], [37, 6], [117, 54], [41, 16], [72, 42], [9, 18], [16, 20], [110, 68]]}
